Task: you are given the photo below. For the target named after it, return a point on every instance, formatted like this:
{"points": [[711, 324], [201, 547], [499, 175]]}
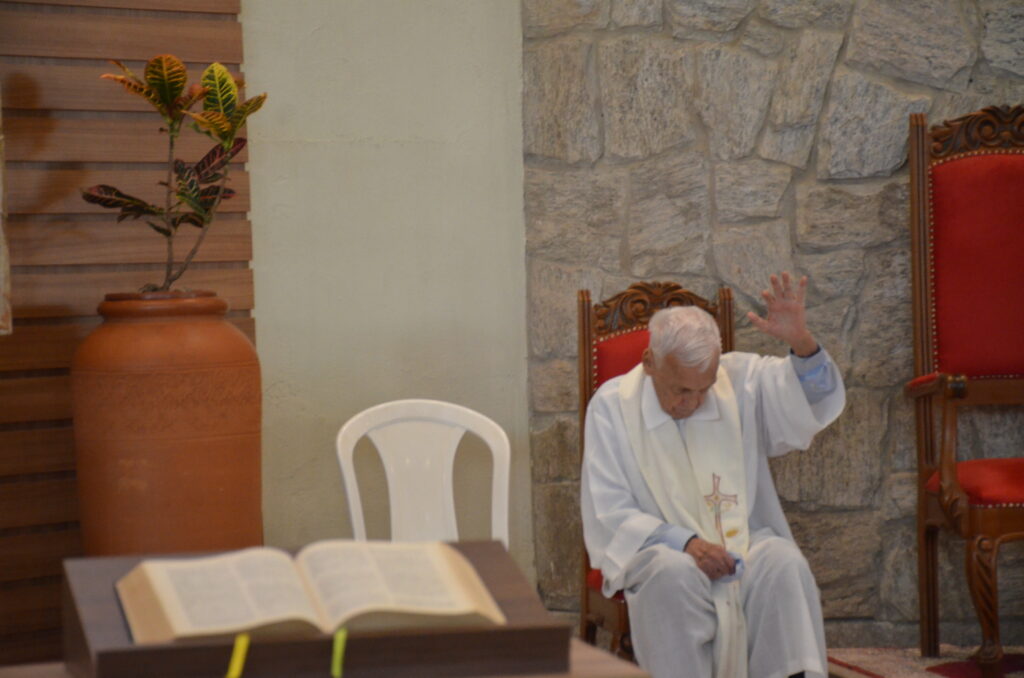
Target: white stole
{"points": [[698, 481]]}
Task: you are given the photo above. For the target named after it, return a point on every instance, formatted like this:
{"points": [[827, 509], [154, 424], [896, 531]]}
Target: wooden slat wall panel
{"points": [[38, 502], [63, 140], [57, 243], [31, 607], [33, 399], [72, 88], [37, 554], [211, 6], [115, 36], [42, 347], [35, 451], [56, 191], [48, 346], [67, 129], [46, 295]]}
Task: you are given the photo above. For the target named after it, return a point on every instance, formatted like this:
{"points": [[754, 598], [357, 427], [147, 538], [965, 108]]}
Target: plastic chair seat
{"points": [[988, 482]]}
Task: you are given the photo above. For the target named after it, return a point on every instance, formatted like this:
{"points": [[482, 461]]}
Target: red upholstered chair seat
{"points": [[988, 482], [595, 580]]}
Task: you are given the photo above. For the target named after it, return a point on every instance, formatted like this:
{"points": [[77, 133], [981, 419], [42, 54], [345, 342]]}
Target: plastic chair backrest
{"points": [[417, 441]]}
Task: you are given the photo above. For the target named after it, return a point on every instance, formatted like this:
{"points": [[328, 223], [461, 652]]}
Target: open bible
{"points": [[328, 585]]}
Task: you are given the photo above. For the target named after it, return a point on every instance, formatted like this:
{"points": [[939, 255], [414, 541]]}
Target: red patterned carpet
{"points": [[953, 662]]}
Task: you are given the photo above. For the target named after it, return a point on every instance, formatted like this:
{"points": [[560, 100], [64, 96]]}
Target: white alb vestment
{"points": [[675, 611]]}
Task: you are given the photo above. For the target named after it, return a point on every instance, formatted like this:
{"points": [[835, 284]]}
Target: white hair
{"points": [[687, 332]]}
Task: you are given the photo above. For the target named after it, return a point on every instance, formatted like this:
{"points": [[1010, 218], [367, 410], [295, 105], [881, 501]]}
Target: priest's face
{"points": [[681, 389]]}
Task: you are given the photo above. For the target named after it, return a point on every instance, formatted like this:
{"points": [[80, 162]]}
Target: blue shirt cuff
{"points": [[815, 375], [673, 536]]}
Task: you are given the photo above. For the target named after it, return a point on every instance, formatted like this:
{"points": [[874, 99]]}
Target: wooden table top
{"points": [[585, 661]]}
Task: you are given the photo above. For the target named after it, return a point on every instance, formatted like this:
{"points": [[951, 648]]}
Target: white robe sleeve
{"points": [[785, 418], [615, 525]]}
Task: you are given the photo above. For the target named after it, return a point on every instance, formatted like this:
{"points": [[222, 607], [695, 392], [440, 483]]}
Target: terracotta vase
{"points": [[166, 406]]}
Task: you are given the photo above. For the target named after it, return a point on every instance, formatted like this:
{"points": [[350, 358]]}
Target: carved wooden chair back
{"points": [[612, 337], [967, 224]]}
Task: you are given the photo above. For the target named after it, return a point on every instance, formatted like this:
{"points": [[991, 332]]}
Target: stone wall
{"points": [[715, 142]]}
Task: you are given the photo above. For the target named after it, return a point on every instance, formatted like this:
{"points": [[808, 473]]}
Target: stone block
{"points": [[801, 89], [882, 338], [841, 633], [551, 290], [561, 114], [798, 98], [864, 133], [575, 217], [843, 467], [553, 386], [746, 256], [786, 473], [668, 216], [636, 13], [901, 452], [645, 88], [898, 582], [554, 450], [832, 216], [706, 19], [989, 87], [802, 13], [749, 189], [832, 274], [899, 496], [831, 323], [989, 432], [923, 41], [558, 536], [763, 38], [542, 18], [733, 91], [842, 549]]}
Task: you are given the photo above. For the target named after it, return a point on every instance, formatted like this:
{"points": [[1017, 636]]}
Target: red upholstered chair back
{"points": [[970, 242]]}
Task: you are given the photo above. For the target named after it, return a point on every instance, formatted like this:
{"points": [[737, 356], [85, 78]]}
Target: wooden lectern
{"points": [[98, 643]]}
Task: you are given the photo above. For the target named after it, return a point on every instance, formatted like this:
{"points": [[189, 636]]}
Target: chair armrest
{"points": [[936, 383]]}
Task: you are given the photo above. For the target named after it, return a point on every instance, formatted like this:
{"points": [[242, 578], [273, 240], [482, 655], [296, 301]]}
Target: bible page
{"points": [[350, 577], [224, 594]]}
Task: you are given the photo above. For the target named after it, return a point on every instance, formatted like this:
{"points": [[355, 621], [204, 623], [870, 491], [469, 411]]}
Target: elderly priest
{"points": [[679, 508]]}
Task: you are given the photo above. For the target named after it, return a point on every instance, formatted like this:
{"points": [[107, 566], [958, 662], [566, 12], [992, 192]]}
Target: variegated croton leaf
{"points": [[166, 75], [130, 206], [208, 169], [222, 96]]}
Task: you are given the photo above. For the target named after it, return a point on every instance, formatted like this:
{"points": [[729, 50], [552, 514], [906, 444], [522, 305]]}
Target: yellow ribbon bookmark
{"points": [[238, 656], [338, 655]]}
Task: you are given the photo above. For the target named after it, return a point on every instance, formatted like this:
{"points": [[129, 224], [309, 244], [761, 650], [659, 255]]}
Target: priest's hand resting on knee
{"points": [[712, 559]]}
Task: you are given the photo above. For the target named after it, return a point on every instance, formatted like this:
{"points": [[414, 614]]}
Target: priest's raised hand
{"points": [[786, 318]]}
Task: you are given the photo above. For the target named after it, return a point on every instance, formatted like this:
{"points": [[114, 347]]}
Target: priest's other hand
{"points": [[785, 318], [712, 559]]}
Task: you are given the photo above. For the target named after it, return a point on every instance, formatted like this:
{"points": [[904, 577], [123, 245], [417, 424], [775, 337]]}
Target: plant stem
{"points": [[207, 221], [171, 135]]}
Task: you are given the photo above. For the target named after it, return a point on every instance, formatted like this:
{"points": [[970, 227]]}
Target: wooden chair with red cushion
{"points": [[612, 336], [967, 223]]}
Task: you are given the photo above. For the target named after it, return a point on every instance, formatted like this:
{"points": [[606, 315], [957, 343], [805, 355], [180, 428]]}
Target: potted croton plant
{"points": [[166, 392]]}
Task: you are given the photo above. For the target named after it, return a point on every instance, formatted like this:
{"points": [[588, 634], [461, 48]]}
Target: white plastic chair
{"points": [[417, 440]]}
